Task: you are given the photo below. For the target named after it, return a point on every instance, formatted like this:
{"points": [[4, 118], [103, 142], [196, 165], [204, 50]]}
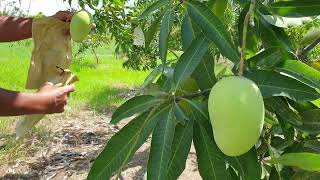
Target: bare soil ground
{"points": [[68, 145]]}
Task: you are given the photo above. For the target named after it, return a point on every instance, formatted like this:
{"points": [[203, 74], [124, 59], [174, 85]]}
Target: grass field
{"points": [[100, 85]]}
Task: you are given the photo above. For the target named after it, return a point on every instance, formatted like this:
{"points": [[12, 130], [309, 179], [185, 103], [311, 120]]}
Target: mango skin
{"points": [[80, 25], [236, 111]]}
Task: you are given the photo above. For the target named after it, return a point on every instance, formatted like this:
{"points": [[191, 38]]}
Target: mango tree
{"points": [[250, 37]]}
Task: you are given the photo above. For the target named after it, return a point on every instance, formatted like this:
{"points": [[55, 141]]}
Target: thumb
{"points": [[68, 89]]}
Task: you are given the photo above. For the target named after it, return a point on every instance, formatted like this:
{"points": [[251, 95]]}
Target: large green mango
{"points": [[236, 112], [80, 25]]}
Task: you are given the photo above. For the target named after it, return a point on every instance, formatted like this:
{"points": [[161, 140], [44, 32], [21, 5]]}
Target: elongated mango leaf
{"points": [[166, 26], [305, 161], [284, 22], [204, 73], [210, 159], [266, 59], [280, 108], [153, 75], [156, 5], [150, 34], [311, 121], [187, 32], [213, 29], [180, 149], [190, 59], [121, 147], [200, 109], [134, 105], [314, 145], [296, 8], [270, 35], [180, 116], [305, 175], [247, 165], [272, 83], [220, 7], [301, 72], [161, 147]]}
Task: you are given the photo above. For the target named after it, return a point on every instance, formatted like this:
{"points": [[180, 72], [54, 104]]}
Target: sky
{"points": [[47, 7]]}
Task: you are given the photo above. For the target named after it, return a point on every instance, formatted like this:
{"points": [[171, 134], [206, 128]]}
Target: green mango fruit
{"points": [[310, 37], [80, 25], [236, 111]]}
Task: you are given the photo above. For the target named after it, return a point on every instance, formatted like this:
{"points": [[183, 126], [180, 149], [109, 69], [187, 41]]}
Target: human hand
{"points": [[53, 98], [63, 16]]}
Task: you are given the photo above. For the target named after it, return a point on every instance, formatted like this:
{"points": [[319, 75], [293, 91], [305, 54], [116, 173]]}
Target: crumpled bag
{"points": [[51, 58]]}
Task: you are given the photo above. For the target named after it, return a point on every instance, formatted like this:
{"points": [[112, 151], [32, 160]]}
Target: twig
{"points": [[95, 54], [244, 37], [303, 53], [191, 96]]}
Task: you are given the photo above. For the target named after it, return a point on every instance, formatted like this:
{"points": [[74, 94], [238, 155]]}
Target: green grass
{"points": [[100, 87]]}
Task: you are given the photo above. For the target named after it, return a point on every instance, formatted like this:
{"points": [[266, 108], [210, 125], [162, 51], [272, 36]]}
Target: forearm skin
{"points": [[15, 103], [15, 29]]}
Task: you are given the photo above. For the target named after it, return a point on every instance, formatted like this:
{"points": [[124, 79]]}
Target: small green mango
{"points": [[310, 37], [236, 111], [80, 25]]}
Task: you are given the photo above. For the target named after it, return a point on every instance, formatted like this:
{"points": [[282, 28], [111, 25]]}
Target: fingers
{"points": [[58, 85], [48, 84], [68, 89]]}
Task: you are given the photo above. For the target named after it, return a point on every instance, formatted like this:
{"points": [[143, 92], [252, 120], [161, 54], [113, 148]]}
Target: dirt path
{"points": [[68, 146]]}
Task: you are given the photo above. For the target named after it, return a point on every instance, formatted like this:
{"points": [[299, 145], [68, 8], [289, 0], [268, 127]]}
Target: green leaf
{"points": [[314, 145], [166, 26], [266, 59], [246, 165], [305, 175], [270, 35], [121, 147], [190, 59], [156, 5], [161, 147], [135, 105], [310, 121], [213, 29], [152, 76], [284, 22], [200, 109], [204, 73], [180, 149], [272, 83], [305, 161], [210, 159], [281, 109], [187, 32], [220, 7], [180, 117], [296, 8], [301, 72], [150, 34]]}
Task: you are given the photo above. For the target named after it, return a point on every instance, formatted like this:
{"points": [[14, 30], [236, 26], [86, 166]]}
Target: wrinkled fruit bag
{"points": [[51, 58]]}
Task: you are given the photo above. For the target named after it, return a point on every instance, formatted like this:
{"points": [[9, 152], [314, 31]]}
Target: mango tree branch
{"points": [[303, 53], [194, 95], [244, 36]]}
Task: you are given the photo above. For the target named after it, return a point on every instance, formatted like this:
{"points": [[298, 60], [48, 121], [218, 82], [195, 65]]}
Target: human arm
{"points": [[17, 28], [50, 99], [14, 28]]}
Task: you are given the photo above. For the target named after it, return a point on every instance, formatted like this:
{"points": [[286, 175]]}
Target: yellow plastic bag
{"points": [[51, 58]]}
